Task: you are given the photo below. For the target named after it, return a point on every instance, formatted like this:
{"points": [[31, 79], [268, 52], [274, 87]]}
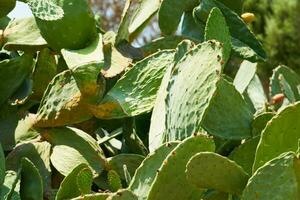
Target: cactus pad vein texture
{"points": [[85, 113]]}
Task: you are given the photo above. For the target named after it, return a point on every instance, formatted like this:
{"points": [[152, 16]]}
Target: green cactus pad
{"points": [[192, 29], [136, 91], [279, 136], [212, 171], [148, 169], [290, 77], [115, 61], [21, 95], [158, 117], [123, 32], [9, 117], [217, 29], [68, 93], [259, 123], [244, 76], [287, 90], [171, 174], [45, 9], [44, 71], [256, 94], [276, 179], [6, 6], [114, 180], [61, 100], [227, 116], [24, 130], [198, 83], [11, 186], [13, 72], [75, 30], [38, 153], [91, 54], [31, 181], [132, 162], [72, 147], [244, 43], [77, 183], [145, 11], [168, 42], [244, 154], [170, 12], [203, 104], [23, 34]]}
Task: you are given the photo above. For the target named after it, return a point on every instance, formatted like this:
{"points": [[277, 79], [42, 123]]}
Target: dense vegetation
{"points": [[85, 115]]}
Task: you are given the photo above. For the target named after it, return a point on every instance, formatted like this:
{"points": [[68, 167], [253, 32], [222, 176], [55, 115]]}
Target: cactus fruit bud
{"points": [[278, 98], [248, 18]]}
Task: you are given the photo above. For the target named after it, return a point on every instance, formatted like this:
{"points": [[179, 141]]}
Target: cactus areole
{"points": [[75, 30]]}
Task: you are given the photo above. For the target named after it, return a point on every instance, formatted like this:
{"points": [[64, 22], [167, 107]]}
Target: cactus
{"points": [[244, 43], [170, 13], [147, 171], [291, 78], [244, 154], [77, 183], [76, 146], [23, 34], [141, 15], [13, 72], [38, 153], [268, 181], [158, 118], [44, 71], [31, 181], [114, 180], [204, 108], [260, 122], [125, 100], [45, 9], [220, 32], [132, 162], [244, 76], [171, 173], [73, 91], [75, 30], [91, 54], [278, 137], [223, 175], [257, 95], [11, 186], [86, 114]]}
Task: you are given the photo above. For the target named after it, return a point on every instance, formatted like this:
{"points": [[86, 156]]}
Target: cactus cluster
{"points": [[86, 115]]}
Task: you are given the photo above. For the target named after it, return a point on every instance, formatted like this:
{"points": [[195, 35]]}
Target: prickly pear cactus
{"points": [[75, 30], [282, 169], [174, 166], [224, 175], [87, 113]]}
